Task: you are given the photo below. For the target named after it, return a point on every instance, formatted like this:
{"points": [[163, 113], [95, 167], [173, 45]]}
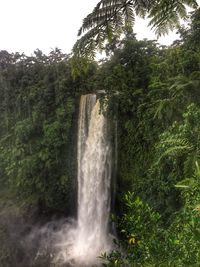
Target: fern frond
{"points": [[164, 16], [129, 17], [186, 183], [104, 12], [189, 163], [163, 105], [172, 147], [176, 151]]}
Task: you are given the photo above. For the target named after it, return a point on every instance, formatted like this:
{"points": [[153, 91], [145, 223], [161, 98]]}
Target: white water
{"points": [[83, 243]]}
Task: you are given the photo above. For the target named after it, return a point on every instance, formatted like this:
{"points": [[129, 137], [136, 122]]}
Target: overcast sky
{"points": [[45, 24]]}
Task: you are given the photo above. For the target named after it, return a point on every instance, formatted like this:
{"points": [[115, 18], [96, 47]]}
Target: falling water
{"points": [[94, 176], [90, 237]]}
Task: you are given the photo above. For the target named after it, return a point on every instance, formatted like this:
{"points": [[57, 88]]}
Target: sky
{"points": [[26, 25]]}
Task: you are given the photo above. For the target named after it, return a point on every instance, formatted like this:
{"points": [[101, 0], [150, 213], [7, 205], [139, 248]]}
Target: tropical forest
{"points": [[100, 159]]}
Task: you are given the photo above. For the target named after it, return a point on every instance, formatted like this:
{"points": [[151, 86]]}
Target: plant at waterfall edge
{"points": [[144, 240], [140, 231], [184, 232]]}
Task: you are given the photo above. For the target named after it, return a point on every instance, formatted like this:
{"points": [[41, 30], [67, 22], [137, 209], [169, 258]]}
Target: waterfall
{"points": [[94, 178], [84, 242]]}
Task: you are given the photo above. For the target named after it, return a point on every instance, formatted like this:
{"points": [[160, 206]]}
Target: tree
{"points": [[113, 17]]}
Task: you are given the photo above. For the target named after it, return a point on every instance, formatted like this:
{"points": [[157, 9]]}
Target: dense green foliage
{"points": [[158, 103], [153, 93], [38, 127]]}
